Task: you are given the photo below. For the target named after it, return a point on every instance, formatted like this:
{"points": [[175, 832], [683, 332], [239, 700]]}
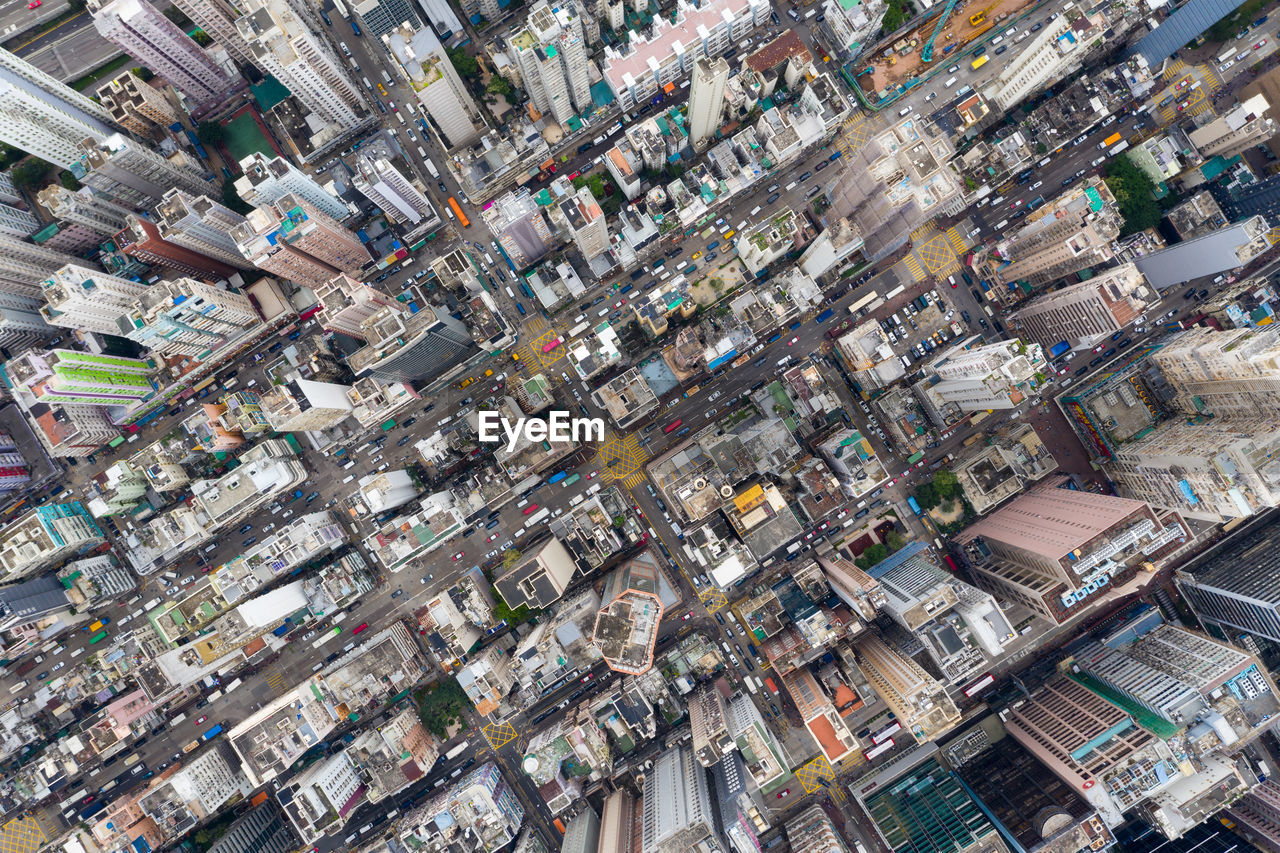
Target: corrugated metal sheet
{"points": [[1181, 27]]}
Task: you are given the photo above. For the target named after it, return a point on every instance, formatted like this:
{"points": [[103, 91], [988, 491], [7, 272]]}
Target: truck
{"points": [[1058, 349], [1111, 140], [212, 733], [431, 167], [191, 746], [824, 316], [1116, 149], [538, 516], [457, 750]]}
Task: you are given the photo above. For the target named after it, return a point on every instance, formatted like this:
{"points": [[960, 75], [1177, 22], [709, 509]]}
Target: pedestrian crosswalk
{"points": [[276, 680], [958, 241], [913, 267]]}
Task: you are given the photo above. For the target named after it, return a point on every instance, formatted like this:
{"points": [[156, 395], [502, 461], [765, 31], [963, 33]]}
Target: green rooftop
{"points": [[1157, 725]]}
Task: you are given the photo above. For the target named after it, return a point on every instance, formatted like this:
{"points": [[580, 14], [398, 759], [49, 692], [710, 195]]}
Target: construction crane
{"points": [[926, 53], [975, 20]]}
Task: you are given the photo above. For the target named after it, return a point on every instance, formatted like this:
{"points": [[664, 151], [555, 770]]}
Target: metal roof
{"points": [[1181, 27]]}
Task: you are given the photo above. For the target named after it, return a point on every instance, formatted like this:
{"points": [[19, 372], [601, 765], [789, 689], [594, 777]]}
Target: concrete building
{"points": [[45, 117], [852, 25], [401, 540], [552, 58], [188, 317], [17, 222], [419, 347], [265, 180], [440, 90], [972, 376], [44, 536], [138, 107], [585, 223], [218, 20], [582, 833], [1050, 52], [140, 238], [1220, 251], [1073, 232], [1057, 550], [812, 831], [709, 725], [1084, 314], [1235, 585], [481, 813], [380, 17], [81, 378], [79, 298], [487, 678], [346, 304], [294, 240], [1240, 127], [1224, 373], [142, 31], [679, 812], [262, 829], [517, 223], [98, 217], [200, 224], [22, 266], [266, 471], [632, 604], [377, 180], [131, 174], [706, 100], [541, 576], [666, 54], [921, 703], [917, 804], [304, 405], [285, 46]]}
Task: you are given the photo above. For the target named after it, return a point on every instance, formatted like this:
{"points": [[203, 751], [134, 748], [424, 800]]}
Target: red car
{"points": [[792, 342], [1260, 45], [687, 616], [619, 303], [954, 285], [458, 556], [783, 793], [360, 627], [201, 719], [530, 508], [34, 4], [492, 537]]}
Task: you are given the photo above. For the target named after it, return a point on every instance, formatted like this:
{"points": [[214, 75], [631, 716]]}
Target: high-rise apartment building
{"points": [[295, 240], [45, 117], [413, 347], [200, 224], [1085, 313], [20, 329], [706, 99], [262, 829], [481, 812], [188, 317], [972, 376], [82, 378], [380, 182], [131, 174], [380, 17], [218, 20], [1227, 374], [265, 180], [136, 106], [679, 811], [17, 222], [709, 725], [346, 304], [98, 215], [22, 266], [487, 678], [1257, 815], [812, 831], [551, 54], [586, 223], [440, 90], [516, 221], [920, 701], [142, 31], [304, 405], [1239, 127], [924, 806], [1058, 550], [141, 239], [1074, 231], [1235, 585], [44, 536], [632, 601], [284, 46], [77, 297]]}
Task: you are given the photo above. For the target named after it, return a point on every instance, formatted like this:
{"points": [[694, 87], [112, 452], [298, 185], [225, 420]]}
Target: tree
{"points": [[1134, 193], [510, 558], [442, 706], [464, 63], [894, 540], [499, 86], [895, 15], [143, 74], [947, 483], [927, 495], [871, 556], [30, 173], [68, 180], [210, 132], [201, 38]]}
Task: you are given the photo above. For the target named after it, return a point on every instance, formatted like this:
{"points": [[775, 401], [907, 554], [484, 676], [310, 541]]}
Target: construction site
{"points": [[939, 38]]}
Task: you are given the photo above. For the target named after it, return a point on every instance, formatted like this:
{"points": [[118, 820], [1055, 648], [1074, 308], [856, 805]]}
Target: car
{"points": [[458, 556], [201, 719], [1124, 343], [1182, 106], [34, 4], [1109, 353], [695, 256], [176, 410], [246, 528], [249, 541], [492, 537], [772, 198], [783, 793], [806, 176], [1182, 84], [686, 617], [1062, 370], [1099, 348], [619, 303], [1260, 45], [408, 422], [530, 509], [793, 342], [60, 664], [1017, 204], [1096, 362], [592, 475], [404, 440]]}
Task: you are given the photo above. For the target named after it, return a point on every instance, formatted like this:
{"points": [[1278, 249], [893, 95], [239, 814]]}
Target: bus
{"points": [[980, 685], [557, 477], [1230, 54], [871, 301], [915, 457], [552, 344], [878, 749], [673, 425], [328, 635], [342, 9], [897, 291], [97, 638], [457, 211], [887, 732], [573, 479], [951, 563], [578, 329], [116, 442], [915, 507], [456, 751], [387, 426], [979, 62]]}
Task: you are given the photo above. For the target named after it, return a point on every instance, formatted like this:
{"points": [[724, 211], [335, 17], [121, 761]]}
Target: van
{"points": [[904, 111], [789, 187], [173, 576], [400, 117], [367, 84], [810, 14], [1243, 55], [951, 82], [77, 653], [348, 478], [1002, 223], [755, 210], [210, 548], [386, 78], [346, 51], [1044, 162], [785, 360], [423, 154]]}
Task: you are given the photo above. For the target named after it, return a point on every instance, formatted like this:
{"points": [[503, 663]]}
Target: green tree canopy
{"points": [[210, 132], [499, 86], [464, 63], [442, 706], [1135, 195], [30, 173], [232, 199]]}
